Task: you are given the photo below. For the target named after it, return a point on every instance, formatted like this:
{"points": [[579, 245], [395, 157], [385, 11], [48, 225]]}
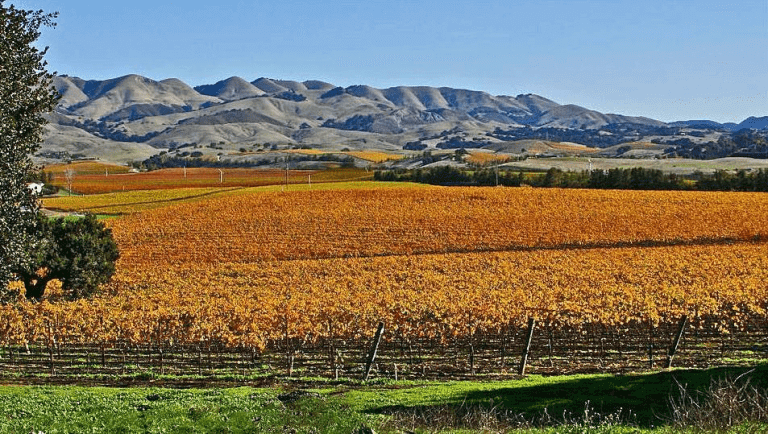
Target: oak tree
{"points": [[26, 93], [79, 252]]}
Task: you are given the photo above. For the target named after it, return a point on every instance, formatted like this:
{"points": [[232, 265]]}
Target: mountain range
{"points": [[134, 117]]}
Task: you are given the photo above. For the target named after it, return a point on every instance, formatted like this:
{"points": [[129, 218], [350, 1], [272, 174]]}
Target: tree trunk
{"points": [[35, 286]]}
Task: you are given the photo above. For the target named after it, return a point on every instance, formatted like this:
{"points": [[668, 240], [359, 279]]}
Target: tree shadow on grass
{"points": [[640, 399]]}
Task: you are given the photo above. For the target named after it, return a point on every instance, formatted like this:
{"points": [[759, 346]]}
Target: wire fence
{"points": [[551, 350]]}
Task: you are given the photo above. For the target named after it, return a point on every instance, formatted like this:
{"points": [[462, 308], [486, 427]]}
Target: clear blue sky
{"points": [[665, 59]]}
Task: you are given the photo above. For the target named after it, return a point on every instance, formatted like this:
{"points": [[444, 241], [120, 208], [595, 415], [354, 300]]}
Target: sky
{"points": [[664, 59]]}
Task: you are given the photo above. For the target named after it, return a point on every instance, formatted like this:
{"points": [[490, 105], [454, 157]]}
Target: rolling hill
{"points": [[96, 118]]}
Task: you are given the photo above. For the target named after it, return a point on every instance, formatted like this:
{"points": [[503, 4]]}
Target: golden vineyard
{"points": [[256, 269]]}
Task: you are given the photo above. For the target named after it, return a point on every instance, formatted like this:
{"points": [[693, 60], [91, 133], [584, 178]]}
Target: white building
{"points": [[35, 187]]}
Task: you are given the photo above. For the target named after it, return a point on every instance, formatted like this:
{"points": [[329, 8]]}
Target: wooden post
{"points": [[676, 341], [527, 347], [503, 347], [472, 359], [199, 360], [374, 349], [550, 343], [651, 345], [650, 355], [50, 355], [332, 356]]}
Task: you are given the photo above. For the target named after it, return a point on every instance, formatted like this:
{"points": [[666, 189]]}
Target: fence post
{"points": [[650, 355], [527, 347], [676, 341], [503, 347], [651, 345], [374, 349], [162, 368], [50, 355], [472, 359], [199, 360]]}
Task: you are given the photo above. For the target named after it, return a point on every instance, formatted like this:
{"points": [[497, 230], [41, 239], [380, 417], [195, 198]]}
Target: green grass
{"points": [[139, 410], [639, 401]]}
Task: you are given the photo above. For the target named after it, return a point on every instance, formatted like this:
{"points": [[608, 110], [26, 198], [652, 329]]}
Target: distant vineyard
{"points": [[132, 201], [282, 273], [96, 178], [85, 168], [375, 222], [483, 158], [373, 156]]}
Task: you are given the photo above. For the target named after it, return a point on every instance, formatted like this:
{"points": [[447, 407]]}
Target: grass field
{"points": [[568, 404]]}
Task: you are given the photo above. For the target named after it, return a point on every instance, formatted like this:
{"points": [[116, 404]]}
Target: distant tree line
{"points": [[627, 179], [739, 181], [165, 161], [743, 143], [106, 130], [608, 135], [449, 175]]}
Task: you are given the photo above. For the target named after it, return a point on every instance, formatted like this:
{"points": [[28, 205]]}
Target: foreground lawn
{"points": [[581, 403], [154, 410]]}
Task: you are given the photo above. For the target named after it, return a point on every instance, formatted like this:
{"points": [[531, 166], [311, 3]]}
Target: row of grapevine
{"points": [[444, 296]]}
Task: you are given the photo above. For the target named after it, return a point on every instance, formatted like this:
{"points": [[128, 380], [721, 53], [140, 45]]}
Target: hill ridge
{"points": [[168, 114]]}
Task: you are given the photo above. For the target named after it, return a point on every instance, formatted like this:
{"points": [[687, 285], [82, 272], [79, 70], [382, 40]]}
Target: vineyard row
{"points": [[591, 348]]}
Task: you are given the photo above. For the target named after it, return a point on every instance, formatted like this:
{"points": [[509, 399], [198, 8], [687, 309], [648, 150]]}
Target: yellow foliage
{"points": [[244, 269]]}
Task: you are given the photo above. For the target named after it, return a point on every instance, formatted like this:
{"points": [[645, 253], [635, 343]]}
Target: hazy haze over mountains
{"points": [[138, 115]]}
